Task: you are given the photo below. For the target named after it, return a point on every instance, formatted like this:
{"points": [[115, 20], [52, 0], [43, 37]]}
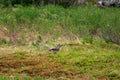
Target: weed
{"points": [[38, 41], [4, 78], [87, 40], [3, 41]]}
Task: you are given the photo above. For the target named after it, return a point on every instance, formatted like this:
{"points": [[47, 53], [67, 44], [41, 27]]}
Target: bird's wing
{"points": [[54, 49]]}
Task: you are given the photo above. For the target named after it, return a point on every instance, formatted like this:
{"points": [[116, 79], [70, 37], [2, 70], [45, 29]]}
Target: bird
{"points": [[56, 49]]}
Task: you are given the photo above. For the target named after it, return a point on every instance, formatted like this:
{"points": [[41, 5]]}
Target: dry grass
{"points": [[35, 65]]}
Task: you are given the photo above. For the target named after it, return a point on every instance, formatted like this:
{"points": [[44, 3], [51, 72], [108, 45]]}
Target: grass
{"points": [[84, 56], [72, 62], [83, 21]]}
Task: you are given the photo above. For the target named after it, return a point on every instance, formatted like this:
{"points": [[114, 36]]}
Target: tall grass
{"points": [[83, 20]]}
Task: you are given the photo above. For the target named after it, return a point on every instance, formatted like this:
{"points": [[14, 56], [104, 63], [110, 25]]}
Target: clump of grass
{"points": [[87, 40], [3, 41], [38, 41], [4, 78]]}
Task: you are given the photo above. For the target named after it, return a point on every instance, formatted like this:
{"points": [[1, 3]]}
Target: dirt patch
{"points": [[42, 66]]}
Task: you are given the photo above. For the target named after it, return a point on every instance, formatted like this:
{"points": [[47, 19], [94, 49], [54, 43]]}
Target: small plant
{"points": [[4, 78], [38, 41], [39, 78], [113, 74], [3, 41], [87, 40]]}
